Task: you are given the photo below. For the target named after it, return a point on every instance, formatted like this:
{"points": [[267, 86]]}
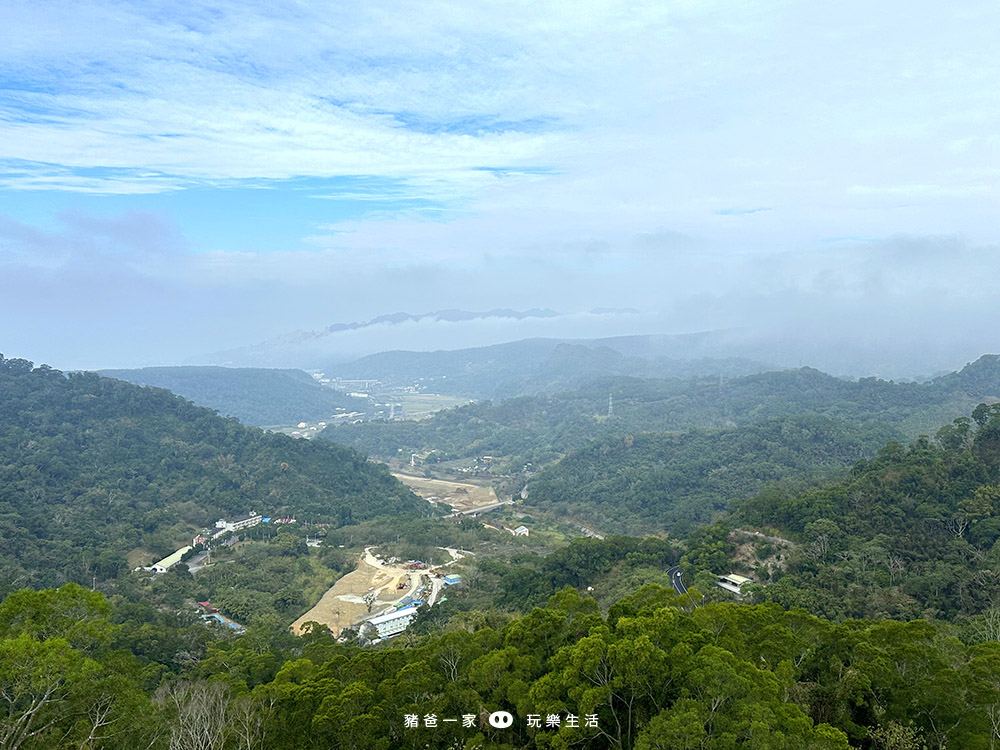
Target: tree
{"points": [[370, 598], [197, 713], [45, 695]]}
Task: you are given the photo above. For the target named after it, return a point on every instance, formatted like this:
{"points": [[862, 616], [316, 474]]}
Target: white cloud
{"points": [[630, 144], [762, 96]]}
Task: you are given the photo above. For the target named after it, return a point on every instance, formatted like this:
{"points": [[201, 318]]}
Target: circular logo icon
{"points": [[501, 719]]}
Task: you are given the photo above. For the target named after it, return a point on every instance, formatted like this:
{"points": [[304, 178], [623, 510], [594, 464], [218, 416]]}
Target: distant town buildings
{"points": [[355, 387]]}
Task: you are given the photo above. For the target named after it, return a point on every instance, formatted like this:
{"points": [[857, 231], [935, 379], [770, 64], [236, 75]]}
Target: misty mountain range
{"points": [[297, 343], [441, 341], [543, 365]]}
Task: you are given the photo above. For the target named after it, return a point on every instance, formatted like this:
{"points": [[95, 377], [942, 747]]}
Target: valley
{"points": [[787, 494], [499, 376]]}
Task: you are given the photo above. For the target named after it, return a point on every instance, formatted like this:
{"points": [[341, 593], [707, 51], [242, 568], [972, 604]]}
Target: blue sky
{"points": [[179, 178]]}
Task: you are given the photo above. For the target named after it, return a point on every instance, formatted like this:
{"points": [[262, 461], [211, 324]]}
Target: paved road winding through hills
{"points": [[675, 579]]}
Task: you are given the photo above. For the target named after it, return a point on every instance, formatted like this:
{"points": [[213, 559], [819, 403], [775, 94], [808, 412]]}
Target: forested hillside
{"points": [[652, 482], [581, 646], [255, 396], [91, 467], [913, 532], [535, 429], [543, 427]]}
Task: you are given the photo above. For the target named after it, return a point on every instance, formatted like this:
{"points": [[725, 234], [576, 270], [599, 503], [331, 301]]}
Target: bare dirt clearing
{"points": [[458, 495], [343, 605]]}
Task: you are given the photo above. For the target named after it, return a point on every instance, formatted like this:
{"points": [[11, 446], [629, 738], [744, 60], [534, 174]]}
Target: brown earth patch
{"points": [[458, 495]]}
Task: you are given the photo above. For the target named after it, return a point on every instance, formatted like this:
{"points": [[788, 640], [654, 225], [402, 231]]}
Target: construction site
{"points": [[378, 587]]}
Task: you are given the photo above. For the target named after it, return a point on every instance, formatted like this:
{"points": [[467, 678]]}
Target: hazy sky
{"points": [[178, 178]]}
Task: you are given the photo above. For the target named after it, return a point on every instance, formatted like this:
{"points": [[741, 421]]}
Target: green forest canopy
{"points": [[255, 396], [91, 467], [540, 428], [649, 482]]}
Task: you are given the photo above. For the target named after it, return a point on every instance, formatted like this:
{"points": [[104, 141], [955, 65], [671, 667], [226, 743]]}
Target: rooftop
{"points": [[173, 558], [407, 611], [737, 579]]}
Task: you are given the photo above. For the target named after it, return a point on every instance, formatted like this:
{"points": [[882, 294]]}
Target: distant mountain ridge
{"points": [[635, 333], [296, 340], [540, 427], [256, 396], [546, 365]]}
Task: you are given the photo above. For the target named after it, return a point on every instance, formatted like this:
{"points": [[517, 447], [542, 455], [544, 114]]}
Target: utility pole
{"points": [[611, 407]]}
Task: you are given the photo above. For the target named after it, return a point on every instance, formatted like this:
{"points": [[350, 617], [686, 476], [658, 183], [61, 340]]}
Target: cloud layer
{"points": [[714, 164]]}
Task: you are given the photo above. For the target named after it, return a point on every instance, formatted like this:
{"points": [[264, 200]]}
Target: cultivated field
{"points": [[422, 405]]}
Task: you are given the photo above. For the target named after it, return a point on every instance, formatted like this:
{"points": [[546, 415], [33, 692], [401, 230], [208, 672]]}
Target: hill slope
{"points": [[913, 532], [542, 427], [650, 481], [531, 366], [255, 396], [91, 467]]}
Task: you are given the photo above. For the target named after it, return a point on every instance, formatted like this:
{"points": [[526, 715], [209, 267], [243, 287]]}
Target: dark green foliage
{"points": [[657, 672], [649, 482], [912, 532], [540, 428], [578, 565], [64, 680], [535, 429], [91, 468], [255, 396]]}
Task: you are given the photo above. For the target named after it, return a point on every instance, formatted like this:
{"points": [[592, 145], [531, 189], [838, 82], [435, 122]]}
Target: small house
{"points": [[732, 583]]}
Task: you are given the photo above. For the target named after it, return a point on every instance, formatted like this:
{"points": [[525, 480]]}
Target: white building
{"points": [[732, 583], [521, 531], [393, 623], [235, 524], [169, 561]]}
